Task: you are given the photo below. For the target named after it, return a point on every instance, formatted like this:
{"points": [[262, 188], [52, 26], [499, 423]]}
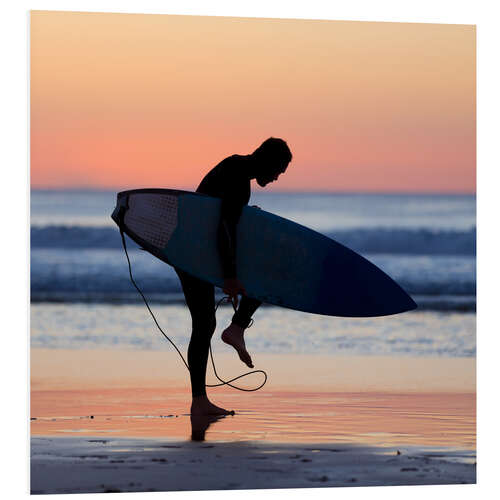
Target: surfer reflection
{"points": [[230, 181], [200, 425]]}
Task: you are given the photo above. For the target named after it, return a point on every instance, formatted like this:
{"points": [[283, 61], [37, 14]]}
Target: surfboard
{"points": [[278, 261]]}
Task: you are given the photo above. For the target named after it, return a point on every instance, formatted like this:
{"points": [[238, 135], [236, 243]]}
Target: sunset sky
{"points": [[129, 100]]}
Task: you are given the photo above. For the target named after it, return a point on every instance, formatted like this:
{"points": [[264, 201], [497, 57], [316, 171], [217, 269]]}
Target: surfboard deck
{"points": [[278, 261]]}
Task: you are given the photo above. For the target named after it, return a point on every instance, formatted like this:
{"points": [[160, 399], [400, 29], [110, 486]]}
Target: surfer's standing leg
{"points": [[200, 300], [234, 333]]}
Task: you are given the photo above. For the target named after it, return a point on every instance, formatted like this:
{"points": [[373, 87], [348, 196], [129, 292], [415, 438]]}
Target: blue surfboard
{"points": [[278, 261]]}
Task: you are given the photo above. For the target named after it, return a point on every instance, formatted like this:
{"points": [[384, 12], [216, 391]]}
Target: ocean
{"points": [[82, 297]]}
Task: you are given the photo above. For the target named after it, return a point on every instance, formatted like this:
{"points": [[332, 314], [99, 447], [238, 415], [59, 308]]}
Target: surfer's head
{"points": [[271, 158]]}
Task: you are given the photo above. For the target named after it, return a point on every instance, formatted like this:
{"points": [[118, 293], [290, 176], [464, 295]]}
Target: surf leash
{"points": [[225, 298]]}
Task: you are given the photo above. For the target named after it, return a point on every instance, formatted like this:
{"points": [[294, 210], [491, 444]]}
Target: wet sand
{"points": [[79, 465], [110, 420]]}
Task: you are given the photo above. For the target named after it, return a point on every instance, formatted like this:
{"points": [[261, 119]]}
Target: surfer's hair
{"points": [[274, 149]]}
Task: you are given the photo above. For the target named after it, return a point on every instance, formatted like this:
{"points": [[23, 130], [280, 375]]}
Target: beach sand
{"points": [[119, 421]]}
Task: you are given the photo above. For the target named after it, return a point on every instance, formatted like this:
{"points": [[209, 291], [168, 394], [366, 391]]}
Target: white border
{"points": [[14, 200]]}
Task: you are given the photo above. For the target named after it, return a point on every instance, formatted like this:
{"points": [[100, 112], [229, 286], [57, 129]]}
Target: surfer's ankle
{"points": [[200, 397], [233, 331], [236, 327]]}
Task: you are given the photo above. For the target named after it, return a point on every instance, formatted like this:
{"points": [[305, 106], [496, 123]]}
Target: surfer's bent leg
{"points": [[234, 333], [201, 303], [247, 307]]}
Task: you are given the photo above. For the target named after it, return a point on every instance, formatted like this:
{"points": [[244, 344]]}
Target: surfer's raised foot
{"points": [[233, 335], [202, 406]]}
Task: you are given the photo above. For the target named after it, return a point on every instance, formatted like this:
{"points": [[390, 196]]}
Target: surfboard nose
{"points": [[411, 304], [390, 298], [352, 286]]}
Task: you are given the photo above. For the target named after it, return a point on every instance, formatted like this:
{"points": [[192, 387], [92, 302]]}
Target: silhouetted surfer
{"points": [[230, 181]]}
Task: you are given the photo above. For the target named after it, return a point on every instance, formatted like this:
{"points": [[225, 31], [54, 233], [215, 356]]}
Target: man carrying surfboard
{"points": [[229, 180]]}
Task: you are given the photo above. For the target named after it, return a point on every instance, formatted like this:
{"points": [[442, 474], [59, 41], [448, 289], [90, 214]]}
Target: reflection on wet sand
{"points": [[200, 425], [438, 419]]}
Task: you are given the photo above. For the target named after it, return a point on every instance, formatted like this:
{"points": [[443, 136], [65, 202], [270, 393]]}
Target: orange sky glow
{"points": [[124, 101]]}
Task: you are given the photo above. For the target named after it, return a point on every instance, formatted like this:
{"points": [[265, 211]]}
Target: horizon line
{"points": [[273, 191]]}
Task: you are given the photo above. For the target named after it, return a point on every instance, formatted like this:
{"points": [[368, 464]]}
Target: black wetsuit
{"points": [[228, 181]]}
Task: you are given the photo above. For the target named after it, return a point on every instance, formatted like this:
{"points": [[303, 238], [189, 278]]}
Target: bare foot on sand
{"points": [[233, 335], [202, 406]]}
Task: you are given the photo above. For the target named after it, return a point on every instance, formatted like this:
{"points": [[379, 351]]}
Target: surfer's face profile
{"points": [[270, 175], [271, 159]]}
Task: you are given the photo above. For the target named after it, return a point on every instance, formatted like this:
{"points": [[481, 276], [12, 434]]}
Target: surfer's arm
{"points": [[226, 235]]}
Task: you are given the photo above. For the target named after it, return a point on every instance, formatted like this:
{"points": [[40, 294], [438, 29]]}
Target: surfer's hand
{"points": [[233, 287], [256, 206]]}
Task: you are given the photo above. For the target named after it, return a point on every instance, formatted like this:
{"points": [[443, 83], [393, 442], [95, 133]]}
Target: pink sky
{"points": [[126, 101]]}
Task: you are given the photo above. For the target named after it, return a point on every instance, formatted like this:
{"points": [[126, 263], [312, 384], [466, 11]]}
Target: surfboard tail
{"points": [[120, 209]]}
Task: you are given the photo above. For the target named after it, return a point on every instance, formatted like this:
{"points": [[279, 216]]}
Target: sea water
{"points": [[82, 297]]}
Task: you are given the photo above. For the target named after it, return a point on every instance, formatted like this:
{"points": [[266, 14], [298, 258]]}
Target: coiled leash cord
{"points": [[227, 299]]}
